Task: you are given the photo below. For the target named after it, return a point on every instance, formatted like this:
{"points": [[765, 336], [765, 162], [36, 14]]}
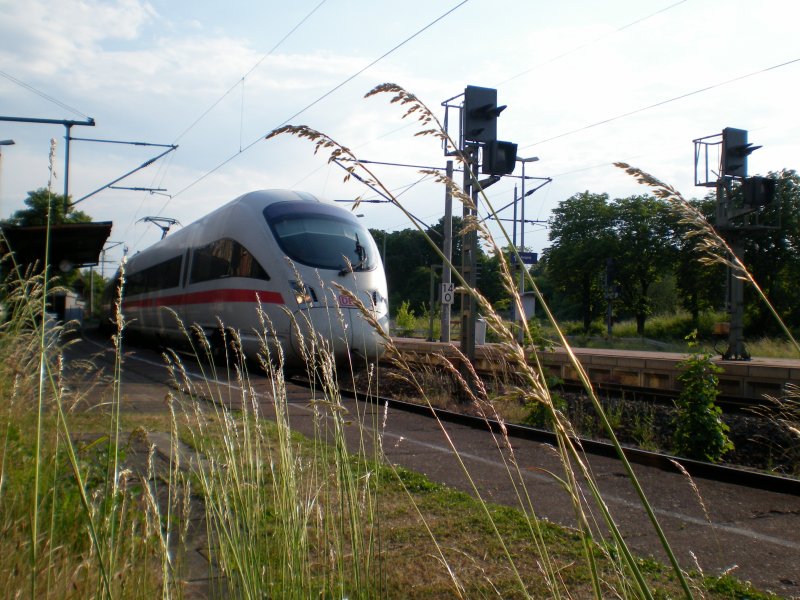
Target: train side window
{"points": [[164, 275], [224, 258]]}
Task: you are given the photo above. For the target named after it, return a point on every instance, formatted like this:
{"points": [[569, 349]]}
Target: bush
{"points": [[405, 321], [699, 430], [576, 328], [672, 326], [539, 414]]}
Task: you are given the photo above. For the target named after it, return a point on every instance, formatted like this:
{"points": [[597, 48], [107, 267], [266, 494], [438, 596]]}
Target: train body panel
{"points": [[285, 251]]}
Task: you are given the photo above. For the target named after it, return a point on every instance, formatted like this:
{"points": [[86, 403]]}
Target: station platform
{"points": [[638, 369]]}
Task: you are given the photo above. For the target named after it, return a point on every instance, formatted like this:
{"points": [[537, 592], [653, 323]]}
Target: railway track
{"points": [[744, 477], [728, 404], [713, 472]]}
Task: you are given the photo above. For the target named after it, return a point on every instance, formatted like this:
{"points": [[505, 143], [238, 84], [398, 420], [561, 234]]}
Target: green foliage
{"points": [[581, 232], [537, 336], [424, 321], [652, 248], [575, 328], [407, 260], [773, 259], [405, 321], [675, 326], [699, 430], [644, 227], [699, 284], [729, 587], [36, 213], [539, 414]]}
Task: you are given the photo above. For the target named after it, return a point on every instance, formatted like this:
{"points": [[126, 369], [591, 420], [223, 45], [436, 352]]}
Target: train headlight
{"points": [[303, 294]]}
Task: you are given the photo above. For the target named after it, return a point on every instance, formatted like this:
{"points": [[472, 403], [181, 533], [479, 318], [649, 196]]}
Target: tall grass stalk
{"points": [[82, 519], [284, 520], [42, 370]]}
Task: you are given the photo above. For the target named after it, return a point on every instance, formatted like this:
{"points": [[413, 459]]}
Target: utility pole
{"points": [[522, 267], [3, 143], [68, 126], [447, 250], [469, 254]]}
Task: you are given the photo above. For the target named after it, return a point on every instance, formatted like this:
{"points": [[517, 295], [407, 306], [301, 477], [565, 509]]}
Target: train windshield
{"points": [[320, 236]]}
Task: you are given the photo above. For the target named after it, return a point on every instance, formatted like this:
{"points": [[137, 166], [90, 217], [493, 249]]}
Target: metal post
{"points": [[469, 258], [447, 250], [736, 348], [514, 316], [522, 268], [68, 127], [522, 315], [522, 234], [431, 300], [609, 296], [3, 143], [91, 291]]}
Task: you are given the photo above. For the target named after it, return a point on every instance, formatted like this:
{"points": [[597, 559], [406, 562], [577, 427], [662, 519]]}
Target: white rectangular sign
{"points": [[448, 292]]}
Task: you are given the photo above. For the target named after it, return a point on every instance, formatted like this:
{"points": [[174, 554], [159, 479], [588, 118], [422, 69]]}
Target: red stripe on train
{"points": [[208, 297]]}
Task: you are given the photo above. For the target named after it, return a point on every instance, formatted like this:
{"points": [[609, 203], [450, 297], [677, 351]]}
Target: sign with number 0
{"points": [[448, 292]]}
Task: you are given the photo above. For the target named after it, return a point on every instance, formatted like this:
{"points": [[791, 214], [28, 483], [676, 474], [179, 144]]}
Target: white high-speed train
{"points": [[279, 248]]}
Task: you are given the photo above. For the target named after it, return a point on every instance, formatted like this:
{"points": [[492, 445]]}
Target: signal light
{"points": [[499, 158], [480, 114], [735, 150], [758, 191]]}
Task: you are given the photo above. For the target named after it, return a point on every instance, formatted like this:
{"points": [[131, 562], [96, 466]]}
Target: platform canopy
{"points": [[72, 245]]}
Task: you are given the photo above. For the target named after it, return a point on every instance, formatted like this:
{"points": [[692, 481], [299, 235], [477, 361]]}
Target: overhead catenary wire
{"points": [[335, 88], [320, 98], [163, 172], [240, 81], [533, 68], [663, 102], [590, 43], [41, 94]]}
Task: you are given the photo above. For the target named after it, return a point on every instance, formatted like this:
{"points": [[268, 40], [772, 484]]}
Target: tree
{"points": [[490, 280], [644, 226], [407, 263], [701, 285], [581, 232], [773, 258], [409, 259], [36, 213]]}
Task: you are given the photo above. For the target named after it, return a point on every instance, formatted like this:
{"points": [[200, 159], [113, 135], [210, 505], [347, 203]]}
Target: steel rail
{"points": [[713, 472]]}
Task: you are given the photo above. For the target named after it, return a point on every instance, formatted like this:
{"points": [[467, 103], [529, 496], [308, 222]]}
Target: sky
{"points": [[586, 84]]}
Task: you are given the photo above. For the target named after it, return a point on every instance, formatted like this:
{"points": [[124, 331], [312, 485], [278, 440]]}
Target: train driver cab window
{"points": [[316, 235], [224, 258]]}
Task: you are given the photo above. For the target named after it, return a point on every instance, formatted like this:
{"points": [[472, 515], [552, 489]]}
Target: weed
{"points": [[405, 320], [643, 429], [700, 432]]}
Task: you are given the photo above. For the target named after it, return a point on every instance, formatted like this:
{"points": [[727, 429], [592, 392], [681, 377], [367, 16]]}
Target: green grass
{"points": [[461, 527], [667, 333]]}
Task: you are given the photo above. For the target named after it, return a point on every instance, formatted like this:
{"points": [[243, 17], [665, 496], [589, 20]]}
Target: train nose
{"points": [[338, 333], [366, 342]]}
